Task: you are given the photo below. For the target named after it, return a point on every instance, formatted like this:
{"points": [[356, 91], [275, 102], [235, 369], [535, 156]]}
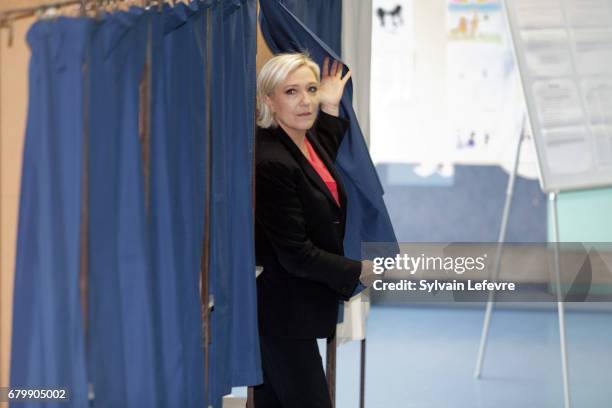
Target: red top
{"points": [[320, 168]]}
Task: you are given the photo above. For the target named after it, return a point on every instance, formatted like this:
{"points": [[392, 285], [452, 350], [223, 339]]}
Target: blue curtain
{"points": [[367, 217], [322, 17], [144, 341], [177, 171], [124, 360], [235, 358], [48, 348]]}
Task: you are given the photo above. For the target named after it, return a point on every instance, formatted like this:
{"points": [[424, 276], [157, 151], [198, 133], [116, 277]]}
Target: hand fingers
{"points": [[347, 76], [339, 67], [325, 67], [334, 68]]}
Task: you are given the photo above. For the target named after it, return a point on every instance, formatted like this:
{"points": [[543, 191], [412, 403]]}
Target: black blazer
{"points": [[299, 230]]}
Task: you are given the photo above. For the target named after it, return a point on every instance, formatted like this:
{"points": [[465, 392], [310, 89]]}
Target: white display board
{"points": [[564, 54]]}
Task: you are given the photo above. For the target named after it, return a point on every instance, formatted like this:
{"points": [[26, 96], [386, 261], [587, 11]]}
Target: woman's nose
{"points": [[306, 98]]}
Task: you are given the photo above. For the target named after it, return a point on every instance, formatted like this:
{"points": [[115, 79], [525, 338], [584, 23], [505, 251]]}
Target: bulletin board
{"points": [[564, 54]]}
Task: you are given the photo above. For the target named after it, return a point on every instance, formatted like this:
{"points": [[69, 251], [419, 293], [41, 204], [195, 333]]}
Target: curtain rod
{"points": [[33, 6], [16, 12]]}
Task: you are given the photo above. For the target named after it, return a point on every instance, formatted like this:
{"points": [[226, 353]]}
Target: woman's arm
{"points": [[329, 125], [279, 213], [330, 131]]}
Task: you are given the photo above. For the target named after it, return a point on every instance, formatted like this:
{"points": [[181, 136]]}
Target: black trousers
{"points": [[293, 375]]}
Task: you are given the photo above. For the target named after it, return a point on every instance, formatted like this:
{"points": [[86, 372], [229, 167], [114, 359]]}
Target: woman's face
{"points": [[295, 101]]}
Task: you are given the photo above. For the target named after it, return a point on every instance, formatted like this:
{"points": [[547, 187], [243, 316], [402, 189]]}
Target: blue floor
{"points": [[425, 357], [420, 357]]}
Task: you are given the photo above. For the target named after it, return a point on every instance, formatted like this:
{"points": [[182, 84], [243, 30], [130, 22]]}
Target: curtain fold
{"points": [[322, 17], [48, 348], [123, 324], [235, 356], [177, 172], [185, 58]]}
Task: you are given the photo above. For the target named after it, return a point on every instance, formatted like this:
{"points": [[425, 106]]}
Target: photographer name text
{"points": [[432, 286]]}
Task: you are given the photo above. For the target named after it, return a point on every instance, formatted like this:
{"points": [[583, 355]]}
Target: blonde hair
{"points": [[275, 71]]}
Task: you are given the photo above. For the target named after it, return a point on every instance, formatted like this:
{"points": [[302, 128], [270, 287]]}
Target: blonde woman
{"points": [[300, 221]]}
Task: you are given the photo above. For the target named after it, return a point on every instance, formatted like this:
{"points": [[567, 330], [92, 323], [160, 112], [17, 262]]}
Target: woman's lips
{"points": [[304, 114]]}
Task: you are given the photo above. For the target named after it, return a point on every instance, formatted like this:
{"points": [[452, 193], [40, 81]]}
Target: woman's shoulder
{"points": [[269, 151]]}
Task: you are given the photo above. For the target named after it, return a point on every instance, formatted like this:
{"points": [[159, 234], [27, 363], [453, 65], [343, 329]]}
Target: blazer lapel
{"points": [[307, 167]]}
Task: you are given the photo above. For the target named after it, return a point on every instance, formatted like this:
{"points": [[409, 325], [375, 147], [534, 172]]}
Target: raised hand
{"points": [[332, 86]]}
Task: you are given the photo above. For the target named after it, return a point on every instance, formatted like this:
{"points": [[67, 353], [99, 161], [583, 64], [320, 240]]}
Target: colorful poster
{"points": [[485, 102], [445, 88]]}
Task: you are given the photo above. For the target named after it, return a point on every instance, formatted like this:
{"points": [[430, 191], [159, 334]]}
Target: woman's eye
{"points": [[290, 91], [313, 89]]}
